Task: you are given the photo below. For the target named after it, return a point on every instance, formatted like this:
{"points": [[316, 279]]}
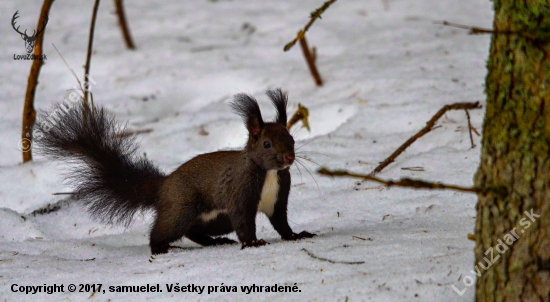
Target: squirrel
{"points": [[212, 194]]}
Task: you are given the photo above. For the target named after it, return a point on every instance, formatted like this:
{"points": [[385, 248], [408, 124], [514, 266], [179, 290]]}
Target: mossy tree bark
{"points": [[516, 156]]}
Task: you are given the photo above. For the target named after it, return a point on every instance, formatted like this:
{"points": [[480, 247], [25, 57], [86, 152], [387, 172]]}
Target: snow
{"points": [[387, 69]]}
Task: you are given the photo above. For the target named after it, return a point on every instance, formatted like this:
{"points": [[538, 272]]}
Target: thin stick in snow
{"points": [[310, 59], [470, 128], [124, 25], [473, 30], [331, 261], [134, 132], [89, 54]]}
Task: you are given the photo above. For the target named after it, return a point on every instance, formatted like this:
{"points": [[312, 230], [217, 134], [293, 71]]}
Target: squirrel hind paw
{"points": [[253, 243]]}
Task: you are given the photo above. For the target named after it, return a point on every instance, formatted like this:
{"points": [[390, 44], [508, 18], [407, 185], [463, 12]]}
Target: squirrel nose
{"points": [[289, 158]]}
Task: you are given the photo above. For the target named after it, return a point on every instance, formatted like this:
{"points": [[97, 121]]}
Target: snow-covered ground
{"points": [[387, 70]]}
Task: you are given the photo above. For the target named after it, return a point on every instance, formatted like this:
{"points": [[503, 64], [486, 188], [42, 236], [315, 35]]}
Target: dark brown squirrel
{"points": [[212, 194]]}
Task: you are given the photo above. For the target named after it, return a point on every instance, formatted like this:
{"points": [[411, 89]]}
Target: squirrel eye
{"points": [[267, 145]]}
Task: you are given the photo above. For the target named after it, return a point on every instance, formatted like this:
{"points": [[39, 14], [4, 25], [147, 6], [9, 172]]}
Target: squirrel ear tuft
{"points": [[280, 101], [247, 107]]}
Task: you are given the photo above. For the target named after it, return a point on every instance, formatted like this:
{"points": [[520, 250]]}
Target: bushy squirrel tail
{"points": [[112, 180]]}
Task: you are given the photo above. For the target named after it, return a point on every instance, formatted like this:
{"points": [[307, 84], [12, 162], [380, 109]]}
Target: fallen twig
{"points": [[358, 237], [473, 30], [475, 131], [134, 132], [415, 169], [124, 25], [89, 53], [429, 126], [92, 295], [302, 113], [331, 261], [310, 59], [316, 14], [403, 182], [470, 128], [478, 30], [29, 114]]}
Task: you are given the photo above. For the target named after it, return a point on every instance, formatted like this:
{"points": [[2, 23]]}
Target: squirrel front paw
{"points": [[224, 240], [299, 236], [254, 243]]}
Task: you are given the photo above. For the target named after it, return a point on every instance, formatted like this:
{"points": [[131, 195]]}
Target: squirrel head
{"points": [[269, 145]]}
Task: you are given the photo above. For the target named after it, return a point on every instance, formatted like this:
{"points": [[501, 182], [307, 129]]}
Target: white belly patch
{"points": [[207, 216], [270, 191]]}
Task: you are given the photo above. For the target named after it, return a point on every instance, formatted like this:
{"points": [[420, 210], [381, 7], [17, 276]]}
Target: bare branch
{"points": [[403, 182], [473, 30], [89, 53], [123, 24], [29, 114], [310, 59], [470, 128], [429, 126], [316, 14], [478, 30]]}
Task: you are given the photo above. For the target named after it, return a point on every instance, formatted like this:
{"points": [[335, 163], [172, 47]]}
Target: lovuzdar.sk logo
{"points": [[29, 40]]}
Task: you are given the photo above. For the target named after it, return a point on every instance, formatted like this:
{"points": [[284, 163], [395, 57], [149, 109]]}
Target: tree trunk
{"points": [[513, 243]]}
